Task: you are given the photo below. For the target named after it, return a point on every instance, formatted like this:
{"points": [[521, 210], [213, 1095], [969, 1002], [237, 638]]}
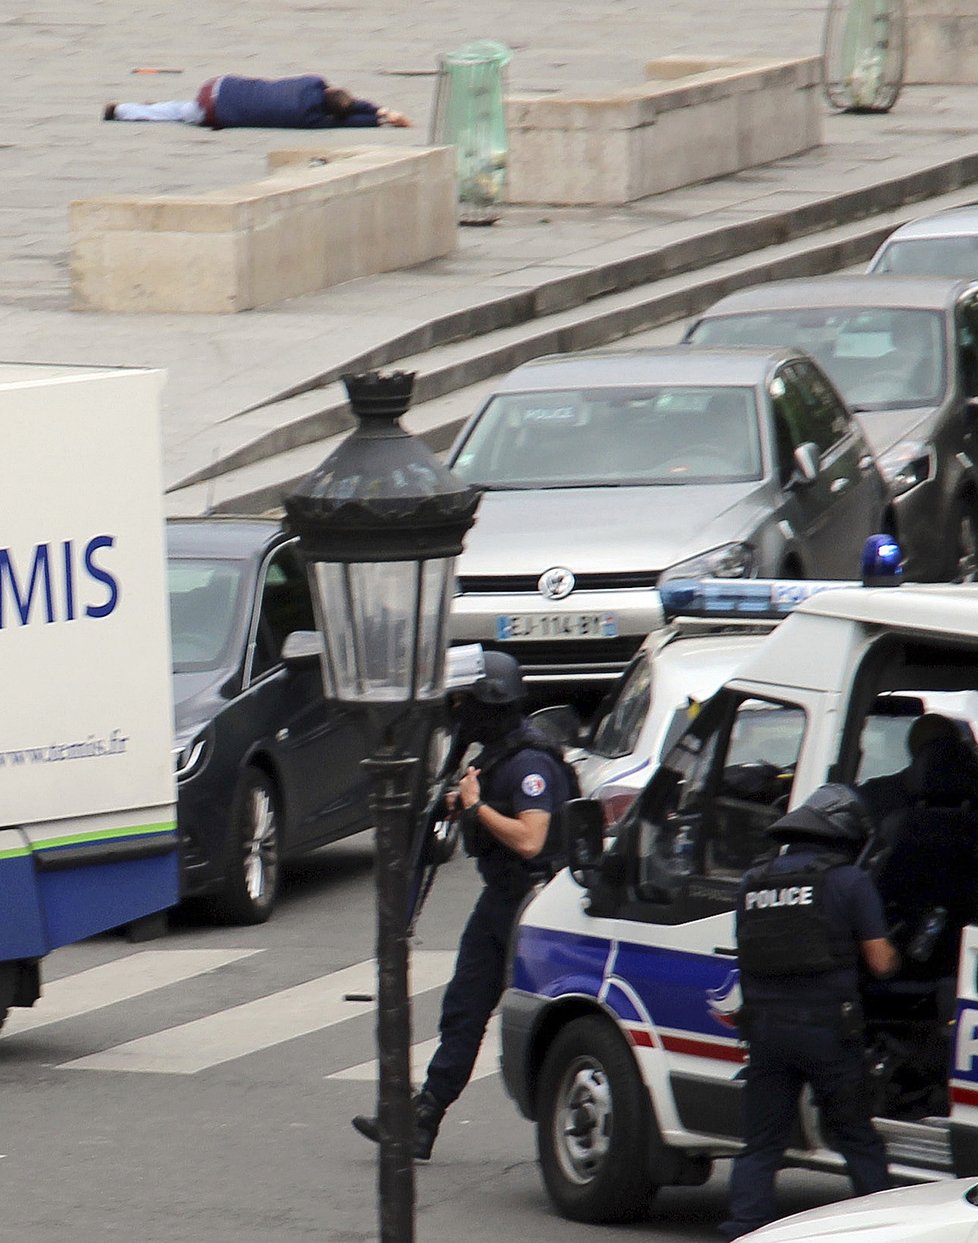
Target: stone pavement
{"points": [[244, 388]]}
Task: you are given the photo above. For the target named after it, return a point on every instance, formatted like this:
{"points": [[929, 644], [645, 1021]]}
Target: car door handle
{"points": [[725, 951], [838, 485]]}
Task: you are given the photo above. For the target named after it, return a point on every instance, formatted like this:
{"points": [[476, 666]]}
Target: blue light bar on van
{"points": [[746, 599]]}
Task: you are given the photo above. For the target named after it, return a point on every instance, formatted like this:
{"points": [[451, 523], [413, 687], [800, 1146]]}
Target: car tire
{"points": [[594, 1125], [964, 541], [252, 874]]}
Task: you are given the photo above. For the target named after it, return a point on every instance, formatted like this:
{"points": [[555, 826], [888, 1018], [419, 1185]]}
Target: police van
{"points": [[619, 1035], [88, 836]]}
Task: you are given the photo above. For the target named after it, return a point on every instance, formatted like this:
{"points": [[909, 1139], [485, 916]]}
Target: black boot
{"points": [[427, 1119]]}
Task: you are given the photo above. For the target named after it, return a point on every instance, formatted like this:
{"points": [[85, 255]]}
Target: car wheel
{"points": [[964, 530], [593, 1125], [251, 879]]}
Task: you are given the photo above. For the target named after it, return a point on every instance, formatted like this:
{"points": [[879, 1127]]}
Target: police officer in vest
{"points": [[807, 921], [508, 797]]}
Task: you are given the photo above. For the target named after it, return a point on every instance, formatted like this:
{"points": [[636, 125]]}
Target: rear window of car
{"points": [[877, 357], [931, 256], [594, 437]]}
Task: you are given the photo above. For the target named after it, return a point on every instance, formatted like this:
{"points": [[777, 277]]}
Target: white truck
{"points": [[618, 1037], [88, 837]]}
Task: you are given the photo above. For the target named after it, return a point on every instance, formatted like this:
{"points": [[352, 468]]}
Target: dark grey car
{"points": [[903, 352], [606, 474]]}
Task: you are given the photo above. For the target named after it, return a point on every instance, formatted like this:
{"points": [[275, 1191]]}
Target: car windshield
{"points": [[931, 256], [204, 606], [878, 357], [614, 436]]}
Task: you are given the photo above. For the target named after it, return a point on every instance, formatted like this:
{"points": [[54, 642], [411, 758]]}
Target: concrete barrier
{"points": [[942, 41], [320, 217], [694, 119]]}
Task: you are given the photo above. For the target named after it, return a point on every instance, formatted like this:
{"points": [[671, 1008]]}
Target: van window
{"points": [[618, 730], [705, 814]]}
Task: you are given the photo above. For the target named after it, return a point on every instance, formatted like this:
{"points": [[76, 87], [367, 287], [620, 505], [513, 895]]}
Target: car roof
{"points": [[953, 222], [876, 290], [222, 536], [679, 364]]}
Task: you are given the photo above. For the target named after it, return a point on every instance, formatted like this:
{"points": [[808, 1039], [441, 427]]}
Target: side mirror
{"points": [[559, 723], [302, 649], [806, 464], [583, 826]]}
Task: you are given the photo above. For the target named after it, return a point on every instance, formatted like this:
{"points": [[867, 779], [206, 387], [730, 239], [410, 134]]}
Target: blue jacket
{"points": [[283, 103]]}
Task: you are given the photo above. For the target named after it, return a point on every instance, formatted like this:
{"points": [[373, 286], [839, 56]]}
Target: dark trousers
{"points": [[784, 1056], [473, 993]]}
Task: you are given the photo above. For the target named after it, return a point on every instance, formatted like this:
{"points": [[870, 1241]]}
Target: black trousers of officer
{"points": [[473, 992], [785, 1054]]}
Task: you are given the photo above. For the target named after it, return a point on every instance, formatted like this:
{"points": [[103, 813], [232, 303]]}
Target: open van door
{"points": [[963, 1071]]}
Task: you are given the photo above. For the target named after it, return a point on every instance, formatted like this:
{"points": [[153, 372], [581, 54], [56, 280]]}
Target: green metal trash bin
{"points": [[469, 114], [865, 43]]}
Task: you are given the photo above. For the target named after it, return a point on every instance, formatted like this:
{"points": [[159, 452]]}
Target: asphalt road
{"points": [[200, 1086]]}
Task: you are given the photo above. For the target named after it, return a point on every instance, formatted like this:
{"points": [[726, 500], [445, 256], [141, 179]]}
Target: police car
{"points": [[618, 1035], [945, 1212]]}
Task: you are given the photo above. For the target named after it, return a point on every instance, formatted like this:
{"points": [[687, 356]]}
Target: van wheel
{"points": [[593, 1125], [251, 880]]}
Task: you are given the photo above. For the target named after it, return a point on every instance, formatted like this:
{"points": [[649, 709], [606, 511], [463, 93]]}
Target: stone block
{"points": [[320, 217], [942, 42], [691, 120]]}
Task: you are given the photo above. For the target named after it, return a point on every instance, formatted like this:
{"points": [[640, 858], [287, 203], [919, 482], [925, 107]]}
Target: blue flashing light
{"points": [[882, 562], [746, 599]]}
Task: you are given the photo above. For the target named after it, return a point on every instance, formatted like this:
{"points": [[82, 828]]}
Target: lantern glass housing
{"points": [[384, 628], [379, 525]]}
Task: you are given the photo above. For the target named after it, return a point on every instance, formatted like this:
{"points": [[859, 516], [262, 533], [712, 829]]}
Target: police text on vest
{"points": [[793, 895]]}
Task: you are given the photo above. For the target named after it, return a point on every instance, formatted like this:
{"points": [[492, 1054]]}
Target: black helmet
{"points": [[833, 813], [502, 682]]}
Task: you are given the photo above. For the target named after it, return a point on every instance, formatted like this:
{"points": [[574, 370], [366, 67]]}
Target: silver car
{"points": [[943, 244], [903, 352], [608, 473]]}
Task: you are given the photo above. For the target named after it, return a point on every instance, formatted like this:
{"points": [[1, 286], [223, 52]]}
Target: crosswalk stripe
{"points": [[271, 1020], [487, 1063], [138, 973]]}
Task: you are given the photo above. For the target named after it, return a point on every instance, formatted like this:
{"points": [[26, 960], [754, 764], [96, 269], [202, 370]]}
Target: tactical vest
{"points": [[783, 926], [480, 843]]}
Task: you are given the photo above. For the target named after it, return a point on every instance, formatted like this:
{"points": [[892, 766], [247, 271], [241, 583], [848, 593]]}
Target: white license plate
{"points": [[556, 626]]}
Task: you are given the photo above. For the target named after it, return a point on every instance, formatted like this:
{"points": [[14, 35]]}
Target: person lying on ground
{"points": [[305, 102]]}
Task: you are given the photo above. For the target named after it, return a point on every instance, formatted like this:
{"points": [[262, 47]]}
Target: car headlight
{"points": [[727, 561], [190, 748], [906, 464]]}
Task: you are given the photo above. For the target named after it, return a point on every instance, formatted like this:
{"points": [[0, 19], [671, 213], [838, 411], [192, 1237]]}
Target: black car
{"points": [[266, 768]]}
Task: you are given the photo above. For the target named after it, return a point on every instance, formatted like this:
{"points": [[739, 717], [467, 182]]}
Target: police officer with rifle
{"points": [[508, 800], [807, 922]]}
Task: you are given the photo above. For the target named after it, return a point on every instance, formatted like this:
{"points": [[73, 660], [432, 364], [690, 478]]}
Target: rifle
{"points": [[436, 836]]}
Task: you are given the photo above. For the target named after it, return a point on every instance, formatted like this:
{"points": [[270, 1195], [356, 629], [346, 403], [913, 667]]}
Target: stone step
{"points": [[311, 412]]}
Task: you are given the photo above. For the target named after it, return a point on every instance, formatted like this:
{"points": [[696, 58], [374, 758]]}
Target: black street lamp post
{"points": [[380, 523]]}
